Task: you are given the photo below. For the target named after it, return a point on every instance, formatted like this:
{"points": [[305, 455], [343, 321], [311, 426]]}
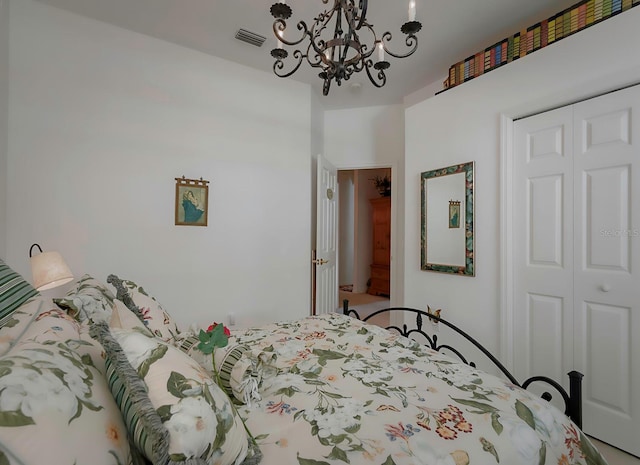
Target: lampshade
{"points": [[49, 270]]}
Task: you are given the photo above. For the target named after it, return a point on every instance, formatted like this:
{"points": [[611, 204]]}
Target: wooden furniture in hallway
{"points": [[381, 258]]}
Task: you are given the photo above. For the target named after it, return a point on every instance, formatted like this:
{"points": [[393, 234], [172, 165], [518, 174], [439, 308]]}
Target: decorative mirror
{"points": [[447, 220]]}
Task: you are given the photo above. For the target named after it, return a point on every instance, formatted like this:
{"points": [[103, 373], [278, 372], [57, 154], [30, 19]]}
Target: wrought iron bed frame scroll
{"points": [[572, 400]]}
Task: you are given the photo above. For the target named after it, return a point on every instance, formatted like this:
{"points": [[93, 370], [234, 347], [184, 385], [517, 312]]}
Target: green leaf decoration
{"points": [[338, 454], [487, 446], [164, 412], [495, 422], [525, 414], [87, 360], [90, 406], [15, 418], [484, 408], [543, 454], [77, 414], [314, 382], [591, 455], [178, 457], [288, 391], [325, 355], [3, 459], [10, 324], [177, 384], [389, 461], [156, 354], [303, 461]]}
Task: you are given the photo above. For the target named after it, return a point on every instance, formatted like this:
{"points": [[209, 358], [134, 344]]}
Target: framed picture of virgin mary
{"points": [[192, 202]]}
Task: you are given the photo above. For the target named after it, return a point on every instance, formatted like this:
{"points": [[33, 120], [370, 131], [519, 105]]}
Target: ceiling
{"points": [[451, 31]]}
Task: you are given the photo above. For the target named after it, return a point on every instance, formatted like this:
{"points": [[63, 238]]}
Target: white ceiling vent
{"points": [[250, 37]]}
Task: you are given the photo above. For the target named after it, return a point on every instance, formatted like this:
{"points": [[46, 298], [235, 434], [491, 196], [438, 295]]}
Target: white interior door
{"points": [[607, 265], [577, 256], [543, 252], [325, 263]]}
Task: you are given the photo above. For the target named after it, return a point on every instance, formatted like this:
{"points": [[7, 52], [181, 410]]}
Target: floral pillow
{"points": [[146, 308], [123, 318], [19, 321], [54, 400], [173, 410], [89, 300]]}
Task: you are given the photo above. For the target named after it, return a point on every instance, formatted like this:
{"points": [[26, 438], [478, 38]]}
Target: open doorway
{"points": [[364, 237]]}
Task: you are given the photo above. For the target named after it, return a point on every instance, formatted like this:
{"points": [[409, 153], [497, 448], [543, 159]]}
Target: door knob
{"points": [[605, 288], [322, 261]]}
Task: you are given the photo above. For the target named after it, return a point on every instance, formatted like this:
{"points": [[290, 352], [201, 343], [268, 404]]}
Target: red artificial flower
{"points": [[226, 330]]}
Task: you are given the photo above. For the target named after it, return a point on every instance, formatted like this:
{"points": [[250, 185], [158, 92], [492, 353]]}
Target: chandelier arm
{"points": [[280, 25], [411, 41], [279, 65], [381, 75], [363, 15]]}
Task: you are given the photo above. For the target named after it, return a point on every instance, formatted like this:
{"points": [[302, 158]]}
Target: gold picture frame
{"points": [[192, 202]]}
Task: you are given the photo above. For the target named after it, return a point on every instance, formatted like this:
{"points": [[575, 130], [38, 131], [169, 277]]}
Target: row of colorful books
{"points": [[574, 19]]}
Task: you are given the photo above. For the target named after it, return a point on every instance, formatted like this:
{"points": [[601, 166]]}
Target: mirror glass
{"points": [[447, 220]]}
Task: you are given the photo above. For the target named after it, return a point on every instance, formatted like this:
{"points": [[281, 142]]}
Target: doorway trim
{"points": [[506, 241]]}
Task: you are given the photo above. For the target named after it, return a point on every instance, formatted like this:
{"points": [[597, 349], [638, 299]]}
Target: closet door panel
{"points": [[607, 265], [543, 254]]}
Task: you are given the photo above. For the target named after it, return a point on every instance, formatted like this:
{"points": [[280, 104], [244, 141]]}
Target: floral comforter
{"points": [[349, 392]]}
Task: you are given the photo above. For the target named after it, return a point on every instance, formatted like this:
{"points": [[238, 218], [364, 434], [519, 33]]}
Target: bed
{"points": [[326, 389]]}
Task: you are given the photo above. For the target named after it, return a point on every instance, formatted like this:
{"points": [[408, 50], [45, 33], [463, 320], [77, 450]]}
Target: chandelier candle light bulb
{"points": [[380, 51], [412, 10]]}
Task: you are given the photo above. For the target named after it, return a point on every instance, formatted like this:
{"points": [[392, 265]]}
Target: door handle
{"points": [[605, 287], [322, 261]]}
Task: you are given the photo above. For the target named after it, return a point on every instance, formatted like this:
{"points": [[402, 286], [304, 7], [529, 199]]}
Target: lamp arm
{"points": [[31, 249]]}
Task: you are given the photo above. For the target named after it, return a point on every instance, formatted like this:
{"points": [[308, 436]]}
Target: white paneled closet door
{"points": [[577, 256]]}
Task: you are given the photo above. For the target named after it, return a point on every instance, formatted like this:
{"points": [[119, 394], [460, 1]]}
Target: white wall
{"points": [[373, 137], [101, 121], [4, 113], [346, 225], [463, 124]]}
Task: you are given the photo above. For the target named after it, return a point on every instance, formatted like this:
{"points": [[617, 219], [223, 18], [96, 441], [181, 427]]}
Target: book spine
{"points": [[616, 7], [544, 33], [597, 10], [567, 23], [551, 28], [590, 15], [582, 16], [479, 63], [516, 46]]}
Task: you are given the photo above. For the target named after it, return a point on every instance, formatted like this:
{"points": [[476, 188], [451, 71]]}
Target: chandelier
{"points": [[344, 53]]}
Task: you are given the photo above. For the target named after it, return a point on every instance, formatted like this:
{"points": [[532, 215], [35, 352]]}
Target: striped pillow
{"points": [[14, 291], [231, 369], [173, 411]]}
